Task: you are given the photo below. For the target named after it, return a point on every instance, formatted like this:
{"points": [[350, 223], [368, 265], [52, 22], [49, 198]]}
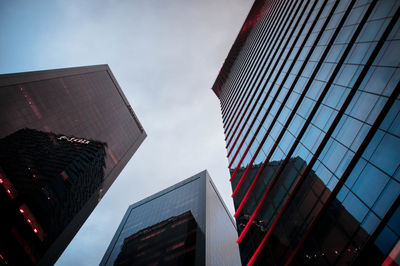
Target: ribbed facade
{"points": [[310, 103]]}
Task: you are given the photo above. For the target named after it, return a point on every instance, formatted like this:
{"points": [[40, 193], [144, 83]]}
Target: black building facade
{"points": [[186, 224], [310, 102], [66, 135]]}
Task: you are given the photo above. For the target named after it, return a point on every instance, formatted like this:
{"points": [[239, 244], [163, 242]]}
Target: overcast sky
{"points": [[165, 55]]}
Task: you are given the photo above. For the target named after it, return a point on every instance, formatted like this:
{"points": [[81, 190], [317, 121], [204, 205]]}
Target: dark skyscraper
{"points": [[310, 102], [186, 224], [66, 135]]}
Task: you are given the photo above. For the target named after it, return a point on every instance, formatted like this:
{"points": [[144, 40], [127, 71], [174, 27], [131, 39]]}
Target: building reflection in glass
{"points": [[46, 179], [339, 238], [170, 242], [310, 91], [77, 105], [185, 224]]}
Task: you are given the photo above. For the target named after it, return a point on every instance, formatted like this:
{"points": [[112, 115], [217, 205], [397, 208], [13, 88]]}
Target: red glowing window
{"points": [[31, 220], [177, 245], [2, 258], [11, 191]]}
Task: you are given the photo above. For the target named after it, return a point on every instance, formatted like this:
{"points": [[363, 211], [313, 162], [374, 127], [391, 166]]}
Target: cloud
{"points": [[165, 55]]}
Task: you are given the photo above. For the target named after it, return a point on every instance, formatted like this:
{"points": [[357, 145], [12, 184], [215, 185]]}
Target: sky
{"points": [[165, 55]]}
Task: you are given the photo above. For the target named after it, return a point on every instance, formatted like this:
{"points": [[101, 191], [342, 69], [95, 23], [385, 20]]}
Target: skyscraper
{"points": [[66, 135], [185, 224], [309, 96]]}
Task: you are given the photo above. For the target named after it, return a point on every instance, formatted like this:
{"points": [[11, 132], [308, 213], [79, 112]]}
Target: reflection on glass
{"points": [[170, 242], [46, 180]]}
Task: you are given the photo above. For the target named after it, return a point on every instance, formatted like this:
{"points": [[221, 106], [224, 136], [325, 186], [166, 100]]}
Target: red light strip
{"points": [[2, 258], [294, 145], [249, 190], [266, 194], [30, 219], [270, 31], [261, 124], [251, 111], [356, 157], [247, 227], [241, 160], [11, 191], [273, 225]]}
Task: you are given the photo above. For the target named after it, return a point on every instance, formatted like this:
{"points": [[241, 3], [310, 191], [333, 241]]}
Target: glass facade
{"points": [[66, 134], [196, 195], [171, 242], [310, 102]]}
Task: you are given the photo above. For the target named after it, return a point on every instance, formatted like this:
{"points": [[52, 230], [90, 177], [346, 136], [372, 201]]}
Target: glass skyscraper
{"points": [[185, 224], [309, 96], [66, 134]]}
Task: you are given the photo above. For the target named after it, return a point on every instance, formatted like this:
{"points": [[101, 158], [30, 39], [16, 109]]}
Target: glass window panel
{"points": [[349, 130], [325, 71], [370, 223], [392, 83], [370, 184], [383, 9], [323, 173], [370, 30], [344, 163], [355, 173], [322, 116], [376, 110], [359, 54], [387, 154], [305, 107], [278, 155], [303, 153], [360, 137], [312, 135], [395, 128], [332, 183], [342, 194], [394, 222], [362, 105], [335, 53], [397, 174], [334, 156], [379, 79], [345, 34], [386, 240], [355, 15], [387, 198], [355, 207], [334, 96], [315, 89], [390, 56], [390, 117]]}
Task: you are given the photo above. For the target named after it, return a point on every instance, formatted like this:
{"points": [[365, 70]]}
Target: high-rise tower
{"points": [[185, 224], [66, 134], [309, 96]]}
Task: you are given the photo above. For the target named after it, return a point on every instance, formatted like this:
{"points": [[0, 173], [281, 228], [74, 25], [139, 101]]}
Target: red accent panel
{"points": [[249, 190], [23, 244], [389, 262]]}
